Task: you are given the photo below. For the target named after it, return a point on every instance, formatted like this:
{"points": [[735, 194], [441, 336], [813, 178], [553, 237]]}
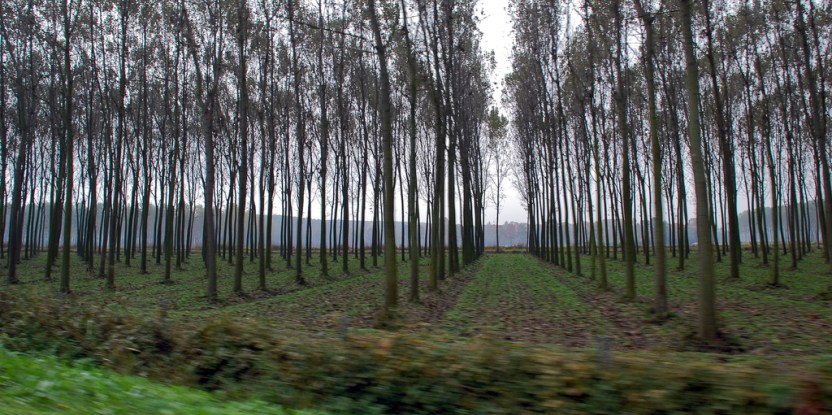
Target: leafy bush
{"points": [[394, 373]]}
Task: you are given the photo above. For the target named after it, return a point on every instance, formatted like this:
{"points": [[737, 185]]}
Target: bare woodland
{"points": [[125, 125]]}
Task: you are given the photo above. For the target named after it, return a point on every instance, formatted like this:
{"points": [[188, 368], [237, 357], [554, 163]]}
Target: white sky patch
{"points": [[497, 37], [495, 25]]}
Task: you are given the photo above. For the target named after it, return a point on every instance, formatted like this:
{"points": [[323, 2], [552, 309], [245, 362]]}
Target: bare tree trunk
{"points": [[242, 82], [413, 228], [206, 93], [70, 179], [324, 140], [115, 216], [391, 277], [4, 146], [300, 133], [707, 296], [660, 302], [818, 124], [726, 149], [621, 111]]}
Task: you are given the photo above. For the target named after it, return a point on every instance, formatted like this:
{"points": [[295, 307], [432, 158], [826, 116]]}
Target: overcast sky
{"points": [[496, 36]]}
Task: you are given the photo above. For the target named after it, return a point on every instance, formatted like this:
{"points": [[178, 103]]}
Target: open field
{"points": [[502, 296]]}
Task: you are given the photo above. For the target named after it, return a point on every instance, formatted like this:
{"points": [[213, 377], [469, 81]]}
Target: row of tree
{"points": [[123, 121], [615, 114]]}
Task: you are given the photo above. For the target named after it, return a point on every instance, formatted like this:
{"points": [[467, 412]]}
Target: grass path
{"points": [[514, 297]]}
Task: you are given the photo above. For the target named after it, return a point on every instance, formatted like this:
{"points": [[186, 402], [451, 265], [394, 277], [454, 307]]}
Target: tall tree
{"points": [[301, 140], [497, 131], [624, 134], [707, 290], [649, 55], [413, 220], [66, 12], [242, 115], [391, 277]]}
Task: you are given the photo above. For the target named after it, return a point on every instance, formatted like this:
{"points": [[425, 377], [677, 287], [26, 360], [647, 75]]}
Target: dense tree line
{"points": [[124, 122], [615, 114]]}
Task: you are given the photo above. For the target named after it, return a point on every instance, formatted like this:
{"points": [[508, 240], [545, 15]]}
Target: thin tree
{"points": [[391, 277], [647, 18], [624, 136], [413, 223], [69, 140], [707, 290], [242, 114]]}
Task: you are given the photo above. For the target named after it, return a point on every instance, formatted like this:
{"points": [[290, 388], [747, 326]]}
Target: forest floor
{"points": [[509, 296]]}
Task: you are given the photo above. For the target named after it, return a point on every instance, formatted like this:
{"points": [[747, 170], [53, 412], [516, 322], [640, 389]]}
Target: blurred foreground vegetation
{"points": [[44, 385], [501, 296], [407, 373]]}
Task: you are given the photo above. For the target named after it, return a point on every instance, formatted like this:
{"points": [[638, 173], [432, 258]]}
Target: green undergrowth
{"points": [[35, 385], [409, 373]]}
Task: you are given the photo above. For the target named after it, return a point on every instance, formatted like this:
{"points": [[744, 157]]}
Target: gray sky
{"points": [[496, 36]]}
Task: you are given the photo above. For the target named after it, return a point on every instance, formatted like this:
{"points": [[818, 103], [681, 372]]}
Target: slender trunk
{"points": [[242, 82], [300, 136], [621, 111], [707, 290], [726, 150], [324, 140], [68, 137], [391, 277], [660, 304], [413, 225]]}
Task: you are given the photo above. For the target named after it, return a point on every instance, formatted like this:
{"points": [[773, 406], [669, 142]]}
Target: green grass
{"points": [[185, 296], [512, 296], [505, 296], [318, 306], [752, 315], [45, 385]]}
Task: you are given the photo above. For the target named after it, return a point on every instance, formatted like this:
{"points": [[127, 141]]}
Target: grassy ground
{"points": [[185, 296], [515, 298], [506, 296], [44, 385], [754, 317]]}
